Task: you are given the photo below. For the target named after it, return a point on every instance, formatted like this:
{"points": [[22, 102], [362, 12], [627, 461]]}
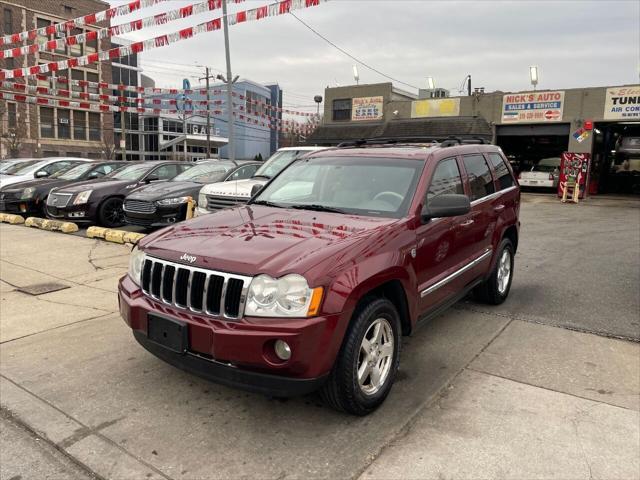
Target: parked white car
{"points": [[216, 196], [11, 162], [546, 174], [42, 168]]}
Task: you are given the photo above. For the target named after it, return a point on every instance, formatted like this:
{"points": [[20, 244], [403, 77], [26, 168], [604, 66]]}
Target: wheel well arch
{"points": [[393, 291], [512, 234]]}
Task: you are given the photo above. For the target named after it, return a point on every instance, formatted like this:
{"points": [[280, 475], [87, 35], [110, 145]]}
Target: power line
{"points": [[349, 55]]}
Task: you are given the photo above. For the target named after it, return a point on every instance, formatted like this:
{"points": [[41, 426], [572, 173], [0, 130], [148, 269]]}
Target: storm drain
{"points": [[42, 288]]}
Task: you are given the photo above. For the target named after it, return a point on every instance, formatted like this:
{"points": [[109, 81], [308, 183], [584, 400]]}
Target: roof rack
{"points": [[447, 142]]}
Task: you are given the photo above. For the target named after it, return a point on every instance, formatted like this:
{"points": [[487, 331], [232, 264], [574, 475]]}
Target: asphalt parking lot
{"points": [[545, 386]]}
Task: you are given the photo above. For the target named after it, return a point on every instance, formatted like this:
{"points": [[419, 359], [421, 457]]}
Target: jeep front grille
{"points": [[196, 289], [216, 202]]}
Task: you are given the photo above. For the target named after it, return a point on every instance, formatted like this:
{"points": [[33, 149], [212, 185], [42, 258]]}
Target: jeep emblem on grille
{"points": [[188, 258]]}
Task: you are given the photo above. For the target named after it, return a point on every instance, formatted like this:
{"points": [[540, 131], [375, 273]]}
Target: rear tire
{"points": [[495, 289], [110, 213], [366, 366]]}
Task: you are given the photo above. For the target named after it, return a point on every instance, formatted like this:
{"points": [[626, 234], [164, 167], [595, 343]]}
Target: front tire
{"points": [[495, 289], [110, 213], [366, 366]]}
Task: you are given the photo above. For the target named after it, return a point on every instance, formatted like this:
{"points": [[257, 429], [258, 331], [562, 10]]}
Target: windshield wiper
{"points": [[318, 208], [266, 203]]}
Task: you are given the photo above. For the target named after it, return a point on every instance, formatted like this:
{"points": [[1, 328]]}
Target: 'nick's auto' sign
{"points": [[622, 103], [532, 107]]}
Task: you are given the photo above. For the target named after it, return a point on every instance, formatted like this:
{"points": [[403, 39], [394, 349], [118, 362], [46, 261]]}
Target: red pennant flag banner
{"points": [[91, 19], [158, 42]]}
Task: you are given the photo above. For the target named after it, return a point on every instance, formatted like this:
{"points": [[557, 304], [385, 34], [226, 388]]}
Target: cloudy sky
{"points": [[574, 43]]}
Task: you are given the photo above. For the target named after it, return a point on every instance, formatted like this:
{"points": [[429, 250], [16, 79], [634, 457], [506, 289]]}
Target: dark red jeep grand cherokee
{"points": [[313, 283]]}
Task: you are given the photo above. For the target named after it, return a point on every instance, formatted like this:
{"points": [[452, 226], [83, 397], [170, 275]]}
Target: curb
{"points": [[115, 236], [11, 219], [51, 225]]}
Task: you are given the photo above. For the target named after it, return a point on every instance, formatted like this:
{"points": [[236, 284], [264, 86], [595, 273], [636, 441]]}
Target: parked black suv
{"points": [[29, 197], [100, 201], [159, 205]]}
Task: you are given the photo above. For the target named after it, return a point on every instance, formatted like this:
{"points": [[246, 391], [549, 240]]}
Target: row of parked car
{"points": [[148, 194]]}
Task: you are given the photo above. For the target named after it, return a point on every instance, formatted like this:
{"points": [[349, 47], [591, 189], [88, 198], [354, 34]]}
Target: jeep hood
{"points": [[255, 239]]}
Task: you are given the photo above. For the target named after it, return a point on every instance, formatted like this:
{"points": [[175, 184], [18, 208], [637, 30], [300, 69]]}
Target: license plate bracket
{"points": [[169, 333]]}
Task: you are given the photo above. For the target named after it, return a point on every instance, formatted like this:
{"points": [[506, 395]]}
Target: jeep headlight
{"points": [[82, 197], [289, 296], [173, 201], [136, 263], [28, 193], [202, 200]]}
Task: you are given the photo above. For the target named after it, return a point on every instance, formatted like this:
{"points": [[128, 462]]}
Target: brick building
{"points": [[42, 131]]}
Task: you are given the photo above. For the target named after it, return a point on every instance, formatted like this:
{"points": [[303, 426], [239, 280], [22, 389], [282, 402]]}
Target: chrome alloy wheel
{"points": [[504, 271], [376, 356]]}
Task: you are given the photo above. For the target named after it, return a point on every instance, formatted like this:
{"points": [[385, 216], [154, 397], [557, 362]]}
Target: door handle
{"points": [[467, 223], [498, 208]]}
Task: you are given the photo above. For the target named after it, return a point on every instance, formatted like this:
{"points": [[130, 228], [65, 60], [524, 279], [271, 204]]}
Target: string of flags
{"points": [[135, 25], [42, 90], [274, 9], [275, 124], [91, 19]]}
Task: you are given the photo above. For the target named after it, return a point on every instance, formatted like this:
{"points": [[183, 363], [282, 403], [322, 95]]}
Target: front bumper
{"points": [[84, 213], [162, 217], [21, 207], [240, 353]]}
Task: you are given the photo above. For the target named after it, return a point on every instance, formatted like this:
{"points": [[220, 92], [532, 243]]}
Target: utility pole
{"points": [[229, 81], [123, 124], [469, 86], [207, 77]]}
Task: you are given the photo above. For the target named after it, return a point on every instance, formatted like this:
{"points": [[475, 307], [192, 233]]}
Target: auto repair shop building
{"points": [[528, 125]]}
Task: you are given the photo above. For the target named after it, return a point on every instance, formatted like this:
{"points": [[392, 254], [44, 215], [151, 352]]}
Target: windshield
{"points": [[15, 169], [366, 186], [204, 173], [276, 163], [132, 172], [73, 173]]}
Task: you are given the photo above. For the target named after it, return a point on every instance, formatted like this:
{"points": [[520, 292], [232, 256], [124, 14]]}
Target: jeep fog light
{"points": [[283, 350]]}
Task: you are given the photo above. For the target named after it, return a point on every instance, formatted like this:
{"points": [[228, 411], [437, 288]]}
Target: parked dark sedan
{"points": [[158, 205], [29, 197], [100, 201]]}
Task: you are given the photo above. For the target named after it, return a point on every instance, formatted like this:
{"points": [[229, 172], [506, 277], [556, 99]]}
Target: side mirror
{"points": [[41, 174], [93, 175], [256, 189], [448, 205], [151, 178]]}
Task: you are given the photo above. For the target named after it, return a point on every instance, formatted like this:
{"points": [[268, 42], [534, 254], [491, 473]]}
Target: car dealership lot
{"points": [[485, 391]]}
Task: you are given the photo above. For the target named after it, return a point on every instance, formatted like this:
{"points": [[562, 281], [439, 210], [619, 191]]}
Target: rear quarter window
{"points": [[505, 179], [480, 179]]}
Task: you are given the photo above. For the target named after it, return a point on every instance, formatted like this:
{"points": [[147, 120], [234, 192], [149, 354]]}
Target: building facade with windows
{"points": [[44, 131]]}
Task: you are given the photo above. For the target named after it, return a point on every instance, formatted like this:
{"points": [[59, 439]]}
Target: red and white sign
{"points": [[532, 107]]}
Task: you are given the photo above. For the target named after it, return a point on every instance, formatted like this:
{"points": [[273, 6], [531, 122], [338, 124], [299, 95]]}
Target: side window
{"points": [[183, 168], [244, 172], [480, 179], [446, 179], [505, 180], [165, 172], [103, 170], [54, 167]]}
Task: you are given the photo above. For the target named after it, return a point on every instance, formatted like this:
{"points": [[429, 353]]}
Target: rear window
{"points": [[505, 180], [480, 179]]}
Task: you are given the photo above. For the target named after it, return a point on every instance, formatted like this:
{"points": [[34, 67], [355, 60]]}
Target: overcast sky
{"points": [[574, 43]]}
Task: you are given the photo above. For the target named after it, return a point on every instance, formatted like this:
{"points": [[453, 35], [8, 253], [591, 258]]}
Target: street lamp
{"points": [[431, 83], [533, 74], [318, 100]]}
